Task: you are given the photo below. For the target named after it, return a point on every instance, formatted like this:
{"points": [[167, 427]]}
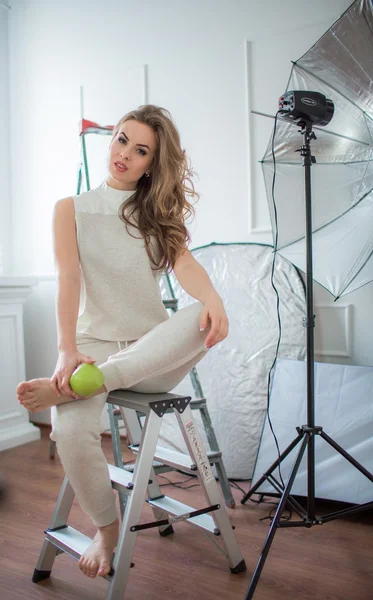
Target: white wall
{"points": [[195, 52], [201, 67], [5, 239]]}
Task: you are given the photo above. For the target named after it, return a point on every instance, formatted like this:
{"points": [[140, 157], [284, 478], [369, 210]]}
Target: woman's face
{"points": [[130, 155]]}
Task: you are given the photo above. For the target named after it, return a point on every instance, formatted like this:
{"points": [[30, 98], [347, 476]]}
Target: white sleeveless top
{"points": [[120, 298]]}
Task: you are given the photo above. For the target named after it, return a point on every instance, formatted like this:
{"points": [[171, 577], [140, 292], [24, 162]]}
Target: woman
{"points": [[111, 245]]}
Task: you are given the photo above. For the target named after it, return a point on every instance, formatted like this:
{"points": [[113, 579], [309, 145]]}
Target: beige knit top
{"points": [[120, 298]]}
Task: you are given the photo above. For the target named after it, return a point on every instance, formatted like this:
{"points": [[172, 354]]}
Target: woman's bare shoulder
{"points": [[65, 207], [64, 213], [69, 202], [64, 237]]}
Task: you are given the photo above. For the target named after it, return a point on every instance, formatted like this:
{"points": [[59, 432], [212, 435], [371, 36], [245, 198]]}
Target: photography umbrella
{"points": [[340, 66], [330, 239]]}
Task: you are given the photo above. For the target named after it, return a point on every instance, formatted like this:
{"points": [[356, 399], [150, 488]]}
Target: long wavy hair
{"points": [[159, 207]]}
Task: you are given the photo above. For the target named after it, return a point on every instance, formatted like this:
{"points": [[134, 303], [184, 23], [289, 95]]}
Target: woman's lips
{"points": [[120, 167]]}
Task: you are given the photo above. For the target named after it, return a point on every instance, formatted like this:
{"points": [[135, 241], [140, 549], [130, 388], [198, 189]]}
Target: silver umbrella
{"points": [[340, 66]]}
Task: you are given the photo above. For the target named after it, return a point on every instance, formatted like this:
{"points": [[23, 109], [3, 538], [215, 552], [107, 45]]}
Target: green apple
{"points": [[86, 379]]}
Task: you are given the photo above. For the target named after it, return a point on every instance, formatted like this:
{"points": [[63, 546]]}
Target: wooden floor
{"points": [[329, 562]]}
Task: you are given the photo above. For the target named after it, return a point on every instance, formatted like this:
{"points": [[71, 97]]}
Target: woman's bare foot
{"points": [[37, 395], [96, 560]]}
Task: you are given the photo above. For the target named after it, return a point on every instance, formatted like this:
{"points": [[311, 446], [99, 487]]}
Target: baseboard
{"points": [[21, 434]]}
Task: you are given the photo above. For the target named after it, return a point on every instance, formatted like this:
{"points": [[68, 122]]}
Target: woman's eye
{"points": [[123, 140]]}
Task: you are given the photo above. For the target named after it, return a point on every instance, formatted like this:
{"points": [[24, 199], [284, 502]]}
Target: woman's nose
{"points": [[125, 153]]}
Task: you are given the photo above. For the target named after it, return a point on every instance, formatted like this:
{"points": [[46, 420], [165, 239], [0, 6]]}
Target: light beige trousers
{"points": [[157, 362]]}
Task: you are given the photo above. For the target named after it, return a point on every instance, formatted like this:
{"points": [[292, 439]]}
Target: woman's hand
{"points": [[67, 362], [214, 311]]}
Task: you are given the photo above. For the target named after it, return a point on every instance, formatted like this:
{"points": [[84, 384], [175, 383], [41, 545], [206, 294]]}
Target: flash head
{"points": [[297, 106]]}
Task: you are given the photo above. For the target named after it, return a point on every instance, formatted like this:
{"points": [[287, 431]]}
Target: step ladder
{"points": [[213, 519]]}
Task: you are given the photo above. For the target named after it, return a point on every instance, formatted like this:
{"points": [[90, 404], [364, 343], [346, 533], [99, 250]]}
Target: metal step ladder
{"points": [[213, 519]]}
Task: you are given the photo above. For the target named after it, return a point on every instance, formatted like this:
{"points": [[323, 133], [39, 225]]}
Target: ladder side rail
{"points": [[85, 163], [80, 178], [209, 486], [134, 430], [132, 424], [117, 452], [63, 505], [219, 464], [115, 437], [134, 507], [58, 519], [154, 493]]}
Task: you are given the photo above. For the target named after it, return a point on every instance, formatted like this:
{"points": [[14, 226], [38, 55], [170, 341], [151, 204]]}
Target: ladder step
{"points": [[194, 404], [178, 459], [120, 479], [72, 542], [69, 540], [156, 465], [176, 508]]}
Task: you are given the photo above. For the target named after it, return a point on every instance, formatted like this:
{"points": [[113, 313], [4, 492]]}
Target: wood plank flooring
{"points": [[329, 562]]}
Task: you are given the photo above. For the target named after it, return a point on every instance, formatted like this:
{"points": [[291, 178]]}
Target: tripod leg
{"points": [[276, 519], [284, 454], [346, 455]]}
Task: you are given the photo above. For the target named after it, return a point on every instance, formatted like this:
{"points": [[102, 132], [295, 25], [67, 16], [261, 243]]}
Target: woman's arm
{"points": [[67, 267], [194, 279]]}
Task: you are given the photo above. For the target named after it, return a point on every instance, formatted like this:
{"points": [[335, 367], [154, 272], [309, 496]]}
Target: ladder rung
{"points": [[174, 458], [69, 540], [177, 459], [174, 507], [156, 465], [120, 478], [72, 542]]}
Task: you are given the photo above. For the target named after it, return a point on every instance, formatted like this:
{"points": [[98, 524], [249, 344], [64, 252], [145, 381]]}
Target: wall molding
{"points": [[249, 137], [260, 231], [14, 414], [146, 84], [252, 226], [15, 428], [19, 435]]}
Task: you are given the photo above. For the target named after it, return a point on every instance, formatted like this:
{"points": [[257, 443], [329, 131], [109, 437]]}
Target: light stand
{"points": [[306, 433]]}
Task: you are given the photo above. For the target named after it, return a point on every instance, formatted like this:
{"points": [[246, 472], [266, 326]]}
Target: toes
{"points": [[88, 567], [92, 569], [24, 393], [21, 388], [81, 565], [104, 569], [30, 406]]}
